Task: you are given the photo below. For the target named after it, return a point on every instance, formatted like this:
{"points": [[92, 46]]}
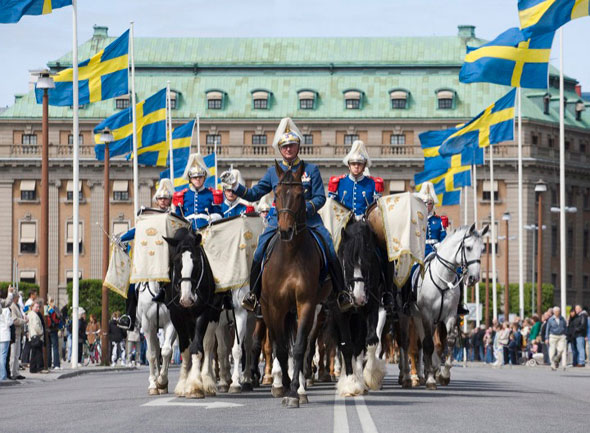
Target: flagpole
{"points": [[76, 180], [169, 129], [134, 117], [215, 152], [493, 222], [198, 134], [474, 184], [562, 234], [520, 212]]}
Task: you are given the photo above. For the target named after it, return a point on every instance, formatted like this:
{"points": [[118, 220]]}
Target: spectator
{"points": [[497, 346], [577, 330], [81, 333], [133, 342], [479, 344], [488, 340], [545, 346], [5, 324], [53, 322], [35, 338], [92, 332], [536, 329], [65, 334], [515, 344], [19, 320], [117, 338], [27, 307], [503, 341], [555, 336]]}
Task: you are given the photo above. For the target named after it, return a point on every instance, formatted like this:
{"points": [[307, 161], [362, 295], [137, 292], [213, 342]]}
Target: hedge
{"points": [[90, 298], [23, 287]]}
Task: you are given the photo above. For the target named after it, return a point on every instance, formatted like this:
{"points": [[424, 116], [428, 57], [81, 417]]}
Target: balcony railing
{"points": [[55, 151]]}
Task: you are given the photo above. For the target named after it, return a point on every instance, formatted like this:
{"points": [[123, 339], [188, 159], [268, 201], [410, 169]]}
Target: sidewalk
{"points": [[64, 373]]}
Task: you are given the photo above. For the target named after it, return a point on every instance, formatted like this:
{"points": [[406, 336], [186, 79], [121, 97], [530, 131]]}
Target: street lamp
{"points": [[533, 228], [562, 264], [106, 137], [540, 188], [506, 218]]}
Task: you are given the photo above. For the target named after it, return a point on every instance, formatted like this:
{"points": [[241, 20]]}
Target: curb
{"points": [[81, 372]]}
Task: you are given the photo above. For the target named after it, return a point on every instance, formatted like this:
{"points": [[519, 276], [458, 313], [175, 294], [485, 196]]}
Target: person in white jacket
{"points": [[5, 322]]}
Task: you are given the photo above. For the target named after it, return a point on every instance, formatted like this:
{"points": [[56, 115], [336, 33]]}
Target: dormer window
{"points": [[174, 99], [260, 99], [215, 99], [580, 106], [122, 102], [399, 99], [546, 101], [307, 99], [353, 99], [445, 99]]}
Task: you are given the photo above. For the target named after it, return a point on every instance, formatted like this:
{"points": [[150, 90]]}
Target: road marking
{"points": [[173, 401], [340, 416], [365, 418]]}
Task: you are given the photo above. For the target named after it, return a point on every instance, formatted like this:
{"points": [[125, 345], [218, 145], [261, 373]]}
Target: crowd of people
{"points": [[545, 340]]}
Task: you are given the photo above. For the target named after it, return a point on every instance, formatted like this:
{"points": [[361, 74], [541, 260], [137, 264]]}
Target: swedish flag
{"points": [[511, 59], [210, 161], [151, 127], [101, 77], [159, 153], [11, 11], [181, 183], [493, 125], [538, 17]]}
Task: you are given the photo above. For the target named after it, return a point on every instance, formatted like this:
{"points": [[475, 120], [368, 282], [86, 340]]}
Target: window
{"points": [[30, 139], [215, 100], [580, 106], [582, 147], [122, 103], [397, 139], [70, 276], [214, 104], [445, 104], [260, 100], [485, 246], [27, 277], [213, 139], [350, 138], [70, 191], [487, 191], [306, 100], [307, 139], [554, 246], [570, 281], [353, 104], [70, 237], [352, 99], [585, 282], [585, 243], [173, 100], [567, 145], [546, 101], [28, 190], [306, 104], [554, 280], [120, 227], [259, 139], [554, 197], [71, 139], [587, 199], [120, 190], [534, 139], [446, 99], [399, 99], [551, 141], [570, 242], [28, 237]]}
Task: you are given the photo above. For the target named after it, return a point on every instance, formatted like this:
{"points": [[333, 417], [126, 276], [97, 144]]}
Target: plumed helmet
{"points": [[286, 133], [358, 153], [265, 203], [165, 189], [427, 193], [195, 167]]}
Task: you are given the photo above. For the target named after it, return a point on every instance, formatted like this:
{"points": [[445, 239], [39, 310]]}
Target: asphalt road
{"points": [[481, 399]]}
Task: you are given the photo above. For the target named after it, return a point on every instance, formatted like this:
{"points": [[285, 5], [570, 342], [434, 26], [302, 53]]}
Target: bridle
{"points": [[195, 282], [299, 226]]}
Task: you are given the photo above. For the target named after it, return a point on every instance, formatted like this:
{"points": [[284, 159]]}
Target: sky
{"points": [[34, 41]]}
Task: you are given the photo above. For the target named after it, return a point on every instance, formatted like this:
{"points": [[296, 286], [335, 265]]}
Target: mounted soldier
{"points": [[196, 203], [264, 206], [231, 205], [163, 198], [287, 142]]}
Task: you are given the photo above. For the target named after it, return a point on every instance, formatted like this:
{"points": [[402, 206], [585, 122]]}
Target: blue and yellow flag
{"points": [[151, 127], [11, 11], [159, 153], [511, 59], [538, 17], [180, 182], [210, 163], [447, 185], [101, 77], [493, 125]]}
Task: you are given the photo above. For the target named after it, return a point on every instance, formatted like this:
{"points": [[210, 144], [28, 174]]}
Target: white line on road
{"points": [[173, 401], [340, 416], [365, 418]]}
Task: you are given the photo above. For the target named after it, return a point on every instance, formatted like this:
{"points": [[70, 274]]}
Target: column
{"points": [[145, 192], [53, 245], [96, 233], [6, 230]]}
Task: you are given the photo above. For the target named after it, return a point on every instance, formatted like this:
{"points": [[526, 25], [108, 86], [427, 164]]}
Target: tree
{"points": [[90, 296]]}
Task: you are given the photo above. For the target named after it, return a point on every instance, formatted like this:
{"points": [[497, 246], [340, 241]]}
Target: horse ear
{"points": [[171, 241], [485, 230], [472, 228], [279, 170], [198, 239]]}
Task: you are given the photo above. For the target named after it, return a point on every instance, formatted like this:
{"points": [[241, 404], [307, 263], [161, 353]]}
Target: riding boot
{"points": [[132, 310], [343, 296], [250, 301], [461, 308], [388, 299]]}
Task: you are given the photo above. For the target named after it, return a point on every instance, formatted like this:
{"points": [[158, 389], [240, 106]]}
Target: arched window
{"points": [[399, 99], [353, 99]]}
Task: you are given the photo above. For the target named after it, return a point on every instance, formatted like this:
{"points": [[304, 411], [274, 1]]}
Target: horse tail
{"points": [[290, 328]]}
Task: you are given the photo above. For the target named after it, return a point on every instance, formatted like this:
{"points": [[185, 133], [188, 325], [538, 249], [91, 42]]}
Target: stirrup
{"points": [[344, 301], [124, 322], [250, 302]]}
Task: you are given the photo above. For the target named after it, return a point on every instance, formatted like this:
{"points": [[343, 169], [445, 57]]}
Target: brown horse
{"points": [[290, 285]]}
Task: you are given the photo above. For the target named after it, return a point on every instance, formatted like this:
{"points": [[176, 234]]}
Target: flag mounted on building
{"points": [[103, 76], [11, 11], [493, 125], [151, 127], [538, 17], [159, 153], [511, 60]]}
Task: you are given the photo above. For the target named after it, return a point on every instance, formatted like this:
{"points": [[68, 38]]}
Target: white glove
{"points": [[215, 217], [228, 180]]}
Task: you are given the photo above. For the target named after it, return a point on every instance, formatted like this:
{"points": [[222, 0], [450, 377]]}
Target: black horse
{"points": [[193, 304]]}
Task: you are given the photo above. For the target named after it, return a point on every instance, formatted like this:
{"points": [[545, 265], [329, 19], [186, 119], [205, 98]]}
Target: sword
{"points": [[112, 239]]}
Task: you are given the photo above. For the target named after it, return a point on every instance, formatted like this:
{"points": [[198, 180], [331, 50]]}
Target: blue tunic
{"points": [[232, 209], [435, 233], [356, 194], [195, 203]]}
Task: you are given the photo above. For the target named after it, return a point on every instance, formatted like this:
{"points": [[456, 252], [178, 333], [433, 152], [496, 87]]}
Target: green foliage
{"points": [[546, 293], [24, 288], [90, 298]]}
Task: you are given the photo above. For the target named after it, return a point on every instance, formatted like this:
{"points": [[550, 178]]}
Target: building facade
{"points": [[384, 91]]}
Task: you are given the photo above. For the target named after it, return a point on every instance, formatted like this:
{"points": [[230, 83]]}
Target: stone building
{"points": [[384, 91]]}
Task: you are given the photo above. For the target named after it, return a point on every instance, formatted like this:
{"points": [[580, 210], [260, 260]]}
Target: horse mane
{"points": [[358, 243]]}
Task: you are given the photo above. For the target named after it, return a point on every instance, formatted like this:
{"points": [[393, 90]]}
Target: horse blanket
{"points": [[117, 278], [335, 216]]}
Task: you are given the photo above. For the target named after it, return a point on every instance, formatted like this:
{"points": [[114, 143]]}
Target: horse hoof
{"points": [[235, 389], [153, 391], [444, 381], [422, 381], [195, 394], [247, 387], [325, 378], [415, 383], [162, 390], [334, 378], [308, 383], [431, 386], [291, 402], [303, 399], [277, 392], [267, 380], [407, 384], [209, 393], [222, 389]]}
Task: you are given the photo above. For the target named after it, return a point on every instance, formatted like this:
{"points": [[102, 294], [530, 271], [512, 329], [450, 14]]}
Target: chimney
{"points": [[579, 90], [466, 31], [100, 32]]}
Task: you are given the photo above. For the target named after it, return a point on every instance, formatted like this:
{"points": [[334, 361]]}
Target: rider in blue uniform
{"points": [[287, 141], [196, 203], [231, 206], [163, 198]]}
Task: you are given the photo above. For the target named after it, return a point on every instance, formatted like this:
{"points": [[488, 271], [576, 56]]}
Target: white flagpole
{"points": [[562, 234], [169, 130], [215, 152], [474, 184], [76, 180], [520, 212], [494, 239], [198, 134], [134, 117], [464, 205]]}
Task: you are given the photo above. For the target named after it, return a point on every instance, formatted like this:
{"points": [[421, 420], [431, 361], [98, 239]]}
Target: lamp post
{"points": [[44, 82], [487, 307], [540, 188], [106, 137], [562, 266], [506, 218], [533, 227]]}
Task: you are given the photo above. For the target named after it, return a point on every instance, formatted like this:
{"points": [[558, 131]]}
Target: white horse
{"points": [[438, 297], [152, 316]]}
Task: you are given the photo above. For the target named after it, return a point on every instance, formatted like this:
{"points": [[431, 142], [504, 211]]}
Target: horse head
{"points": [[470, 253], [186, 266], [289, 202]]}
